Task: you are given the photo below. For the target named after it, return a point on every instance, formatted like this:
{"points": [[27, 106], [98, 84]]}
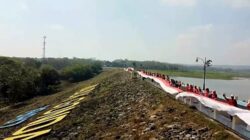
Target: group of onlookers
{"points": [[197, 90], [211, 94], [163, 76], [175, 83]]}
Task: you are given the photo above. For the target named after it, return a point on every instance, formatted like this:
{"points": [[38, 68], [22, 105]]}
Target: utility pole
{"points": [[204, 76], [206, 63], [44, 51]]}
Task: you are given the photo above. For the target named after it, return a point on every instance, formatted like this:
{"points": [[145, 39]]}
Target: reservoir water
{"points": [[240, 88]]}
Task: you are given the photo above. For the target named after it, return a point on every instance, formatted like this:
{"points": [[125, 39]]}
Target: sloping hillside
{"points": [[124, 108]]}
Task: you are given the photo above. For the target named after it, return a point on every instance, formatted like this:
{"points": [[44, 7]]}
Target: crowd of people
{"points": [[163, 76], [197, 90]]}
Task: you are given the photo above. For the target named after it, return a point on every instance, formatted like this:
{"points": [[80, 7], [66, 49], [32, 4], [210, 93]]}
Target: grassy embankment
{"points": [[209, 74], [122, 108]]}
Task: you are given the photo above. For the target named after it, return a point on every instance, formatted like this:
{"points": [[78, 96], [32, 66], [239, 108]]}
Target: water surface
{"points": [[240, 88]]}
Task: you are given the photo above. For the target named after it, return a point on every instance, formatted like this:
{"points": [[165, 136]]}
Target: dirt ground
{"points": [[124, 108]]}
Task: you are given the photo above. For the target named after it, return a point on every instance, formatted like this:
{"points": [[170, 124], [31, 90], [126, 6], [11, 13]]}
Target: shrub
{"points": [[78, 73], [17, 82], [49, 79]]}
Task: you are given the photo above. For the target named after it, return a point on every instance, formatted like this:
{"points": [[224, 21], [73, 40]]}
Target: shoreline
{"points": [[241, 78], [209, 75]]}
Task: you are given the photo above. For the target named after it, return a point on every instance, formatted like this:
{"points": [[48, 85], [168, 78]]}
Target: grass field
{"points": [[199, 74]]}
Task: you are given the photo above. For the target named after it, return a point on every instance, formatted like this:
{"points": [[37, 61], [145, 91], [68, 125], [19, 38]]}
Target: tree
{"points": [[17, 82], [96, 67], [32, 62], [78, 73], [24, 78], [49, 79]]}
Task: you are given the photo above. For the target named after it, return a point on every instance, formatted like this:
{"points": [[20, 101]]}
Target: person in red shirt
{"points": [[195, 89], [187, 87], [191, 89], [231, 101], [200, 91], [248, 105], [206, 92], [167, 78], [163, 76], [179, 84], [214, 95]]}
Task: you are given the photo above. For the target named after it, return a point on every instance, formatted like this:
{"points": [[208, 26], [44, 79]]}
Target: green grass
{"points": [[199, 74]]}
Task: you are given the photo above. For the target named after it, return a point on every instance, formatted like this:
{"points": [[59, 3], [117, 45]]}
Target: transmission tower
{"points": [[44, 51]]}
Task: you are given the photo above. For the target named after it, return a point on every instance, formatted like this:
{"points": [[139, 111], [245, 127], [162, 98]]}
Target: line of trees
{"points": [[143, 64], [163, 66], [24, 78]]}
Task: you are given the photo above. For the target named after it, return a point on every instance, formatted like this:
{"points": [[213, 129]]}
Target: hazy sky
{"points": [[174, 31]]}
